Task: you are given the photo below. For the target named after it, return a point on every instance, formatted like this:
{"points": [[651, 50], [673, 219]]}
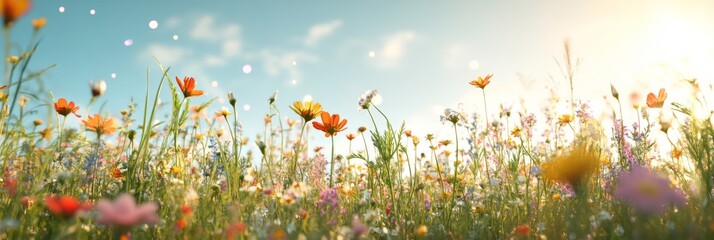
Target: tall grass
{"points": [[493, 180]]}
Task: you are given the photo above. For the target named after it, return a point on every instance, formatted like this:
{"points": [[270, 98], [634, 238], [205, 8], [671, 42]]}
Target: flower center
{"points": [[648, 189]]}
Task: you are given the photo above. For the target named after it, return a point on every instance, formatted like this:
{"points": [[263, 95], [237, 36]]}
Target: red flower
{"points": [[186, 210], [523, 230], [238, 227], [65, 206], [181, 223], [10, 185]]}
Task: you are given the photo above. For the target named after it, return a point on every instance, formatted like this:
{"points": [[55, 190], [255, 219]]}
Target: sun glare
{"points": [[682, 44]]}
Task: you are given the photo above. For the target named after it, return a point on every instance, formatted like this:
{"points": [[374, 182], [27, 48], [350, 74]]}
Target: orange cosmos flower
{"points": [[63, 108], [100, 125], [39, 23], [351, 136], [481, 82], [65, 206], [13, 9], [330, 125], [656, 101], [187, 87]]}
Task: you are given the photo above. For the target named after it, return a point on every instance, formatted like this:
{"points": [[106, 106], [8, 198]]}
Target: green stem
{"points": [[332, 159]]}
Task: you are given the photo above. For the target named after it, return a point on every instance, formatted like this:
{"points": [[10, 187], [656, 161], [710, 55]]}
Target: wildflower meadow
{"points": [[177, 161]]}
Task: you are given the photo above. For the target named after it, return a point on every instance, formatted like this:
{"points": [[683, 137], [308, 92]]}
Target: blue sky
{"points": [[423, 51]]}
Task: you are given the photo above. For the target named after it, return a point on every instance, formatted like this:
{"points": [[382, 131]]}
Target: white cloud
{"points": [[278, 62], [394, 48], [455, 56], [166, 55], [320, 31], [173, 22], [227, 35], [231, 47], [221, 46]]}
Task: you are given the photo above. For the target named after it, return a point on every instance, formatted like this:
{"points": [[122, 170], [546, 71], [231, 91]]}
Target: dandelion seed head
{"points": [[247, 69]]}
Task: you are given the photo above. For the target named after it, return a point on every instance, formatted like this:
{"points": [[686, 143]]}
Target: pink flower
{"points": [[124, 212]]}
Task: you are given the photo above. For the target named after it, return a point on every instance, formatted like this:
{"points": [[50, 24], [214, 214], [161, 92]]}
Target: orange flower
{"points": [[63, 108], [100, 125], [481, 82], [656, 101], [181, 223], [350, 136], [13, 9], [330, 125], [116, 173], [39, 23], [65, 206], [676, 153], [187, 87]]}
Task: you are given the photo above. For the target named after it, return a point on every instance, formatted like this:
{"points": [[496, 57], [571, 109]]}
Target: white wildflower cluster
{"points": [[366, 99]]}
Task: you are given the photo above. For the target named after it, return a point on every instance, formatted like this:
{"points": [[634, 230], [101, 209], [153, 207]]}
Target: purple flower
{"points": [[124, 212], [328, 197], [647, 191], [358, 227]]}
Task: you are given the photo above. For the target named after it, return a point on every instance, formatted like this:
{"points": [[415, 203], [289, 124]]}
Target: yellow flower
{"points": [[565, 119], [22, 101], [516, 132], [13, 59], [46, 134], [307, 110], [224, 112], [481, 82], [573, 166], [556, 197]]}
